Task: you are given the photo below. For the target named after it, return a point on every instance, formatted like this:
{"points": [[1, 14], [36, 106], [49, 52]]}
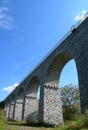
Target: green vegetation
{"points": [[2, 120], [80, 124], [70, 102], [2, 105]]}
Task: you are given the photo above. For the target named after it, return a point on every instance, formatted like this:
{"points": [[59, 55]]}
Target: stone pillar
{"points": [[82, 67], [14, 107], [23, 109], [8, 111], [31, 109], [52, 106], [41, 103], [11, 109], [18, 110]]}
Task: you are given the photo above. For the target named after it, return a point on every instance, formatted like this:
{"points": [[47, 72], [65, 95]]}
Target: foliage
{"points": [[2, 105], [80, 124], [2, 120], [69, 95], [70, 102], [83, 121]]}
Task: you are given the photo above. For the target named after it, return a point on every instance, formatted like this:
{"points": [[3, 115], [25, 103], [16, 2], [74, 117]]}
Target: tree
{"points": [[2, 105], [70, 101]]}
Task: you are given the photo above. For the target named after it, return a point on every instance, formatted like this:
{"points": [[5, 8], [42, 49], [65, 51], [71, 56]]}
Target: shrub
{"points": [[2, 120], [83, 121], [2, 105], [71, 112], [70, 102]]}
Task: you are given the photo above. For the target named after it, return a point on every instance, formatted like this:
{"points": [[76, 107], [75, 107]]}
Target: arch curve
{"points": [[19, 104], [20, 93], [55, 68], [32, 102], [33, 86]]}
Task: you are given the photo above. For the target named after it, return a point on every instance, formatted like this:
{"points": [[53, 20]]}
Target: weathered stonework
{"points": [[52, 106], [46, 75], [31, 109]]}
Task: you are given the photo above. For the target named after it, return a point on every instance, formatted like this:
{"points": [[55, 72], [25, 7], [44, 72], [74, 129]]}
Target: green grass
{"points": [[80, 124], [2, 120]]}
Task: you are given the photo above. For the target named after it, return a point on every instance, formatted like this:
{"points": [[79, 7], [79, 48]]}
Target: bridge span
{"points": [[23, 104]]}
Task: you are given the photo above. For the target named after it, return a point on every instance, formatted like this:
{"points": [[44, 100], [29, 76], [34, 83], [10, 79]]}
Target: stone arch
{"points": [[8, 108], [20, 93], [55, 68], [33, 87], [12, 103], [69, 70], [53, 113], [19, 104], [32, 102]]}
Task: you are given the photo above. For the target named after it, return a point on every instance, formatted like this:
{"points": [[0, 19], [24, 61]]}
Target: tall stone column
{"points": [[82, 67], [11, 109], [23, 108], [41, 103], [7, 110], [18, 107], [50, 108], [14, 107], [31, 109]]}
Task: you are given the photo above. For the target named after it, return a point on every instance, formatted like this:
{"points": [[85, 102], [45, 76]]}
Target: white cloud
{"points": [[6, 20], [9, 89], [81, 17], [3, 9]]}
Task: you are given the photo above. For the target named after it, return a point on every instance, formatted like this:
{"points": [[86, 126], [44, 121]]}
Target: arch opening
{"points": [[32, 100], [11, 114], [69, 74], [8, 108], [19, 104], [55, 68], [52, 86], [69, 91]]}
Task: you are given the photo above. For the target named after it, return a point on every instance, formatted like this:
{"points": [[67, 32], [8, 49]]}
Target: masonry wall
{"points": [[52, 106], [7, 111], [11, 108], [19, 105], [18, 111], [31, 109]]}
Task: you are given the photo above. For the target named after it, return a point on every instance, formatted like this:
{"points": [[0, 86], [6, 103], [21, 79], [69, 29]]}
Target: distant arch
{"points": [[32, 101], [12, 107], [20, 93], [8, 107], [19, 104], [32, 89]]}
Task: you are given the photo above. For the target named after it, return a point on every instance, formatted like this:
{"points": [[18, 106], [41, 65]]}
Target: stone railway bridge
{"points": [[22, 103]]}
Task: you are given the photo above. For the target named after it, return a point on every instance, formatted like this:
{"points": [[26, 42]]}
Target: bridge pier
{"points": [[31, 109], [83, 80], [50, 108]]}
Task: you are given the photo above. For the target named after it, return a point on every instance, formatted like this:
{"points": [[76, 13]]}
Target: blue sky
{"points": [[28, 31]]}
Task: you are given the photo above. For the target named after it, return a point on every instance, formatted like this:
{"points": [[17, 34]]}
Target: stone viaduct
{"points": [[23, 104]]}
